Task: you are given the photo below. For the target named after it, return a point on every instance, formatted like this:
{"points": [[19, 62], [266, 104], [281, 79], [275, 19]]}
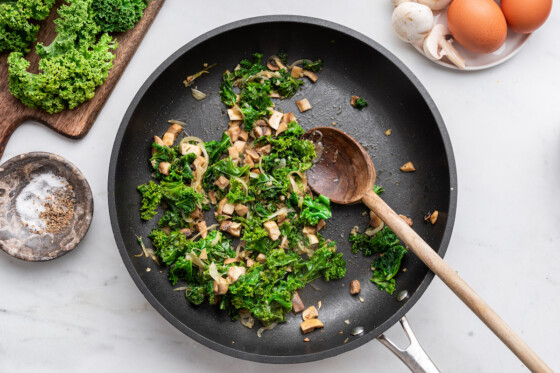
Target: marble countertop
{"points": [[82, 312]]}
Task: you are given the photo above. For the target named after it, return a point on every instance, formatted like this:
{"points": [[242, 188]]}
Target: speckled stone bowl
{"points": [[15, 238]]}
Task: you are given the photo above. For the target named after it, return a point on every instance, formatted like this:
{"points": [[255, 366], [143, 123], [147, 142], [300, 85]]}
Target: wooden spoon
{"points": [[346, 175]]}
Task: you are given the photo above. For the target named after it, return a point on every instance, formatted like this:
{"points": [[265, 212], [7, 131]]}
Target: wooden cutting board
{"points": [[71, 123]]}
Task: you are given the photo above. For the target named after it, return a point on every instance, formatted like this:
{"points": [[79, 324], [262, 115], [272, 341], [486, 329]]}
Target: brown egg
{"points": [[525, 16], [478, 25]]}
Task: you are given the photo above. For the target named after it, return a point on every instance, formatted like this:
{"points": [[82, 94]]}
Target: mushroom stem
{"points": [[452, 53]]}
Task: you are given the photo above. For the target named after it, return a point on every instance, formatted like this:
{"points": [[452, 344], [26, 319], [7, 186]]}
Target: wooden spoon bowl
{"points": [[344, 171]]}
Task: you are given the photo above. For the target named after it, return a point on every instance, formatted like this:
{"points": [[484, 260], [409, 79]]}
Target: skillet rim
{"points": [[271, 358]]}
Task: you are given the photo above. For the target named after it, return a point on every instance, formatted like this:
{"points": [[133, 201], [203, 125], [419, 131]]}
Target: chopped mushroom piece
{"points": [[202, 228], [250, 263], [222, 182], [159, 141], [248, 161], [186, 148], [321, 224], [310, 325], [354, 287], [261, 258], [274, 120], [275, 64], [234, 273], [221, 205], [272, 229], [213, 197], [252, 153], [434, 216], [235, 123], [233, 152], [230, 260], [313, 241], [240, 145], [282, 127], [235, 229], [228, 209], [408, 167], [220, 287], [306, 340], [289, 117], [407, 220], [297, 304], [309, 230], [241, 209], [234, 133], [234, 114], [275, 95], [186, 231], [243, 135], [374, 220], [310, 75], [164, 168], [303, 105], [170, 136], [297, 72], [353, 100], [264, 149], [310, 313]]}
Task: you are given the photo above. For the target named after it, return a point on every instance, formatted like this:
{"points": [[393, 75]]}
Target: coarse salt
{"points": [[30, 202]]}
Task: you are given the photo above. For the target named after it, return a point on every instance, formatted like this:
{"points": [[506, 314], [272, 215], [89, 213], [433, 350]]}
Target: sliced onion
{"points": [[270, 327], [295, 63], [213, 271], [246, 319], [315, 287], [237, 250], [295, 186], [282, 211], [182, 288], [213, 226], [194, 259], [372, 231], [260, 165], [198, 95], [216, 239], [253, 175], [175, 121]]}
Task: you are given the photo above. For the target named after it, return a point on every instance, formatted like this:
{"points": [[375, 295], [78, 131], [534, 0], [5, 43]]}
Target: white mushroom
{"points": [[432, 4], [436, 45], [435, 4], [412, 22]]}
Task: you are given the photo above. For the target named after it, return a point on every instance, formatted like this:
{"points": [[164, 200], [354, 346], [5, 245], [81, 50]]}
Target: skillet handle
{"points": [[414, 356]]}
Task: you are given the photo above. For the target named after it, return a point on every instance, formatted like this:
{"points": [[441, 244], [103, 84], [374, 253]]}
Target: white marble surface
{"points": [[82, 312]]}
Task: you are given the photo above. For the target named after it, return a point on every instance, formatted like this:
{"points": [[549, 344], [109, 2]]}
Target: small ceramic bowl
{"points": [[15, 238]]}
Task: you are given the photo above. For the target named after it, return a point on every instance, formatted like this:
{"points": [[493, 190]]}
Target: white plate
{"points": [[478, 61]]}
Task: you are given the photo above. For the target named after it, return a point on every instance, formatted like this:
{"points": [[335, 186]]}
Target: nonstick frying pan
{"points": [[353, 65]]}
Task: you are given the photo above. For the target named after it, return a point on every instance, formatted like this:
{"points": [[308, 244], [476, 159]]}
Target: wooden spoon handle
{"points": [[427, 255]]}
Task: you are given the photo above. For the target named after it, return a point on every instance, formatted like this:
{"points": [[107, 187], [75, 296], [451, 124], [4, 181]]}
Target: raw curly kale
{"points": [[71, 67], [118, 15], [17, 29]]}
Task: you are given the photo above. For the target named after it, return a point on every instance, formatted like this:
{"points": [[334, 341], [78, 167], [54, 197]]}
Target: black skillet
{"points": [[353, 64]]}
